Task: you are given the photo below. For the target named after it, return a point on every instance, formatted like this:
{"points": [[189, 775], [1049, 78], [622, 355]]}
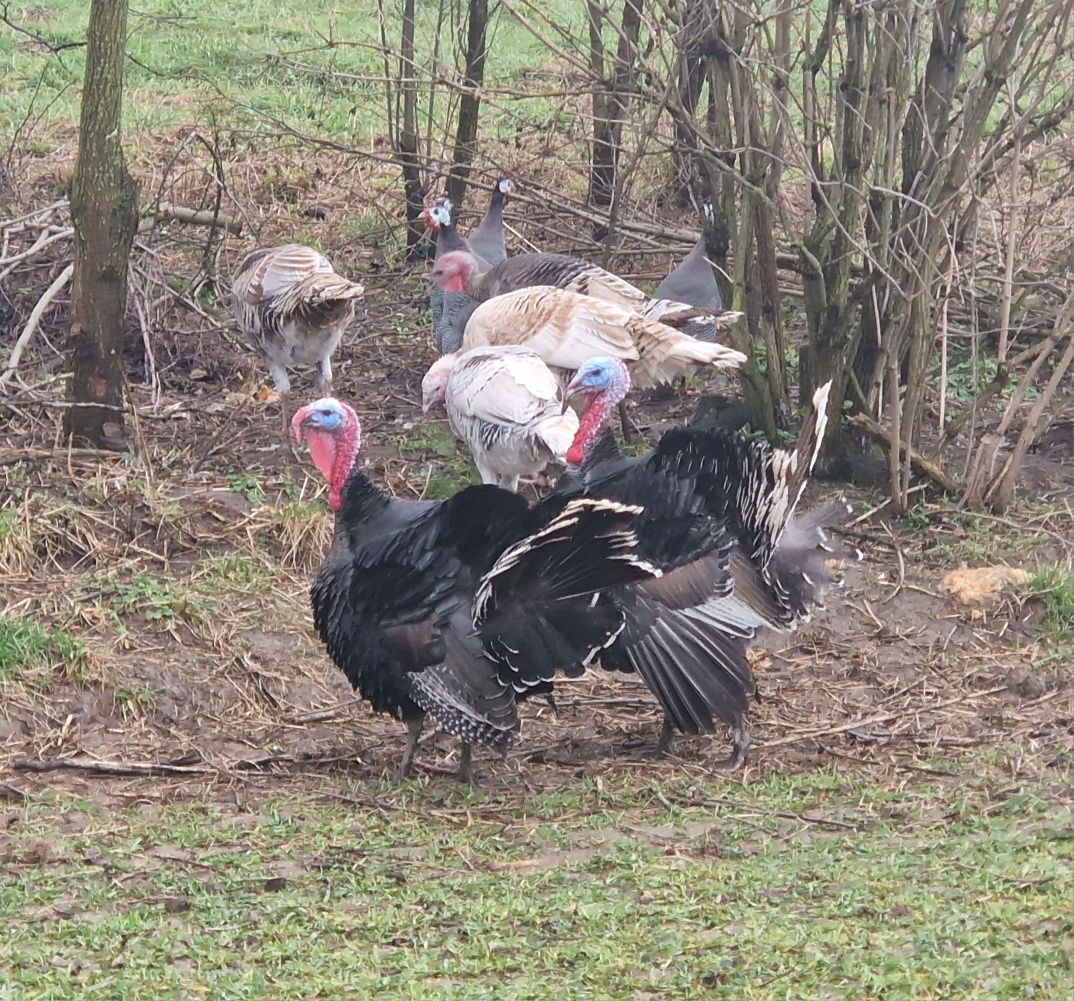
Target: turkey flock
{"points": [[665, 565]]}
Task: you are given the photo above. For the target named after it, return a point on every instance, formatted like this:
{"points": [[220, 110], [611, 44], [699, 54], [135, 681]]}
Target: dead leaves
{"points": [[983, 585]]}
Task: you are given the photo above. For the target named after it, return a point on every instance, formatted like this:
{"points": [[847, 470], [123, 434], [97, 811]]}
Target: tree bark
{"points": [[104, 213], [407, 145], [609, 108], [470, 104]]}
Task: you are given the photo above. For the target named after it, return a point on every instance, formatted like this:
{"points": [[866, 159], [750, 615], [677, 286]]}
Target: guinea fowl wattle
{"points": [[459, 608], [719, 521]]}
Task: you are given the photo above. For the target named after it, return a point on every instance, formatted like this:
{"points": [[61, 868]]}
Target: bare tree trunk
{"points": [[407, 146], [610, 108], [470, 104], [104, 213]]}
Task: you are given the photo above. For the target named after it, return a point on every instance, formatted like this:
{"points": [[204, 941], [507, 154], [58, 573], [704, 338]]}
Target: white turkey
{"points": [[505, 405], [566, 328]]}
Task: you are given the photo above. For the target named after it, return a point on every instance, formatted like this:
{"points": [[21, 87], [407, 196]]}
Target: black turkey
{"points": [[719, 522], [458, 608]]}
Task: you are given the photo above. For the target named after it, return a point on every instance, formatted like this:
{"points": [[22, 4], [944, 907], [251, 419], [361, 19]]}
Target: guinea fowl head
{"points": [[503, 185], [435, 382], [605, 382], [334, 436], [454, 271], [438, 215]]}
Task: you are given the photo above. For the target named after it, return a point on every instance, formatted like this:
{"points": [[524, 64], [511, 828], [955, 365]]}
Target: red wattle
{"points": [[589, 424], [455, 283], [322, 446]]}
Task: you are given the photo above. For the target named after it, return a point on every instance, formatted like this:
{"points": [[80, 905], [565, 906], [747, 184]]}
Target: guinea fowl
{"points": [[504, 403], [293, 307], [459, 271], [719, 522], [694, 284], [458, 608], [487, 240], [449, 308]]}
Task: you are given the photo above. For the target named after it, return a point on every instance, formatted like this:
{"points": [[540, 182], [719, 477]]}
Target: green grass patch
{"points": [[27, 647], [611, 889], [1054, 586], [315, 67], [162, 600]]}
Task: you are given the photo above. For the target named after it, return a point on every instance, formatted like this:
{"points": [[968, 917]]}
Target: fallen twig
{"points": [[111, 767], [35, 317], [917, 460], [167, 212]]}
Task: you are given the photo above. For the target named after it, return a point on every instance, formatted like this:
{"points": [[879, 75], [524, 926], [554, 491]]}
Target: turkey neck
{"points": [[345, 449], [595, 415]]}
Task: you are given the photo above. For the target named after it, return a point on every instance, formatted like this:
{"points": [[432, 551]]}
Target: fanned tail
{"points": [[695, 668], [805, 565], [537, 609]]}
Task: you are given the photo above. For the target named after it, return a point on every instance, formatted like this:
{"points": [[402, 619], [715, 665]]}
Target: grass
{"points": [[26, 647], [610, 889], [1054, 586], [206, 61]]}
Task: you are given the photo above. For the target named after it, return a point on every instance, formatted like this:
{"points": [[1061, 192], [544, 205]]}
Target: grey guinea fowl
{"points": [[487, 240], [293, 307], [505, 405]]}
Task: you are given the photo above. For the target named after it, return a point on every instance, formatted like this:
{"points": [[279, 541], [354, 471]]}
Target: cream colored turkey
{"points": [[293, 308], [505, 404], [566, 328], [459, 271]]}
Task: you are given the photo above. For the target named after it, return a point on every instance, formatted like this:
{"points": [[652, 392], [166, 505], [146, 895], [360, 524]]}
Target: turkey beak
{"points": [[298, 422], [574, 387]]}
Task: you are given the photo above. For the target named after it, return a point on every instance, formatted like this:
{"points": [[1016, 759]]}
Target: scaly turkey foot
{"points": [[740, 744], [413, 727], [465, 772]]}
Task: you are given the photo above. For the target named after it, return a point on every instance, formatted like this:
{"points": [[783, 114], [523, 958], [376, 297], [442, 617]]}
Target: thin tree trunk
{"points": [[407, 150], [470, 104], [610, 112], [104, 213]]}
